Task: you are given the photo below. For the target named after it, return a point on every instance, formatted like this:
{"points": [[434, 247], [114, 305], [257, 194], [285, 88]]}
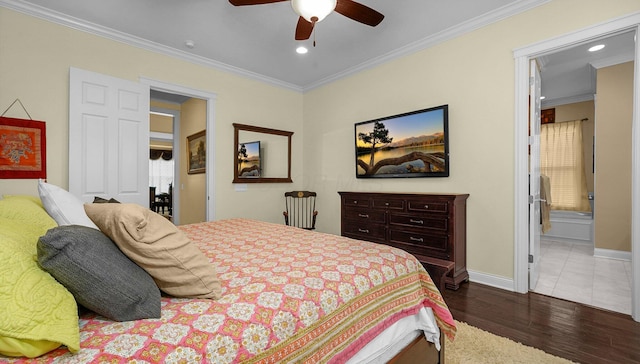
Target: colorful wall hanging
{"points": [[23, 149]]}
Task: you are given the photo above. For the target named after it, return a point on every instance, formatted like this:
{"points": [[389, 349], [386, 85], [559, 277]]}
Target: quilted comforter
{"points": [[289, 295]]}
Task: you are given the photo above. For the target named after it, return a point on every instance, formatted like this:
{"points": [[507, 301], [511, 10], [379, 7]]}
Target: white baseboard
{"points": [[612, 254], [492, 280]]}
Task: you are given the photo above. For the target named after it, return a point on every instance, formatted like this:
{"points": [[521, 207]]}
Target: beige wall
{"points": [[579, 111], [35, 56], [614, 107], [193, 119], [160, 123], [474, 74]]}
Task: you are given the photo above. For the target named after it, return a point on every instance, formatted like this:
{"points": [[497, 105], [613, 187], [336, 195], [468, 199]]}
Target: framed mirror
{"points": [[262, 155]]}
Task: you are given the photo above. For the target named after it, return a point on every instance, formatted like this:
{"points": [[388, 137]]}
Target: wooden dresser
{"points": [[430, 226]]}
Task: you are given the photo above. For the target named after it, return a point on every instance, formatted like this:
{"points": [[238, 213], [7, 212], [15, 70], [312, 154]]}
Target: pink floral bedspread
{"points": [[289, 295]]}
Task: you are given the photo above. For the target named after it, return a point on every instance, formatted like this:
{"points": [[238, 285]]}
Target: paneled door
{"points": [[108, 138]]}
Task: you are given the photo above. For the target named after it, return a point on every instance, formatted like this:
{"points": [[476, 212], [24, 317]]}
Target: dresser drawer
{"points": [[359, 230], [428, 206], [420, 243], [365, 215], [436, 223], [355, 202], [383, 203]]}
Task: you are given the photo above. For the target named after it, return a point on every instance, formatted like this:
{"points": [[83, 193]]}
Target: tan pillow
{"points": [[177, 266]]}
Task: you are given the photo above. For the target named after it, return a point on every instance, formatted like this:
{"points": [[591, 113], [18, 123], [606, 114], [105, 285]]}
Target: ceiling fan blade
{"points": [[359, 12], [253, 2], [303, 29]]}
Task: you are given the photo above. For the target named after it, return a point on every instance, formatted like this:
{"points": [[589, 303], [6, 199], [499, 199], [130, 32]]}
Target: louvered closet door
{"points": [[108, 138]]}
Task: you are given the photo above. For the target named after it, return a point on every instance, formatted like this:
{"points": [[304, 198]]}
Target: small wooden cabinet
{"points": [[430, 226]]}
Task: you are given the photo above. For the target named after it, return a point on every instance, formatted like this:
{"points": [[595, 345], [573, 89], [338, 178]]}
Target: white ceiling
{"points": [[258, 41], [570, 75]]}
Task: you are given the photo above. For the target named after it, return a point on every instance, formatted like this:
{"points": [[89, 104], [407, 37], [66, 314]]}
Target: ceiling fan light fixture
{"points": [[310, 9]]}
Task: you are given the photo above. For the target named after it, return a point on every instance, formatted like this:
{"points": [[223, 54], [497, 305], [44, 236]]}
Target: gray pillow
{"points": [[98, 274]]}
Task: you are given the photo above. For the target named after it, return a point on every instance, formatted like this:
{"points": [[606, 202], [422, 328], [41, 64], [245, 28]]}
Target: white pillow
{"points": [[62, 206]]}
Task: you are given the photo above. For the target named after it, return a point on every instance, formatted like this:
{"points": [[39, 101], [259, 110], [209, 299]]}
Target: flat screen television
{"points": [[413, 144], [249, 160]]}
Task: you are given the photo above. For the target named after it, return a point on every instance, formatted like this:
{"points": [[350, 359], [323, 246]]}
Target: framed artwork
{"points": [[23, 152], [548, 116], [197, 152]]}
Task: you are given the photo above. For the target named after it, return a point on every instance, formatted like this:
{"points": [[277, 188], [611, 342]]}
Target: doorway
{"points": [[522, 57], [208, 99], [164, 155], [573, 264]]}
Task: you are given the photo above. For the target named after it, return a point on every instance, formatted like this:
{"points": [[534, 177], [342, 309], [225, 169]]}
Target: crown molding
{"points": [[612, 61], [440, 37], [566, 100], [88, 27], [450, 33]]}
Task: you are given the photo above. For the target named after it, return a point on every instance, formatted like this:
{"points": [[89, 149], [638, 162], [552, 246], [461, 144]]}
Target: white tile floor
{"points": [[570, 271]]}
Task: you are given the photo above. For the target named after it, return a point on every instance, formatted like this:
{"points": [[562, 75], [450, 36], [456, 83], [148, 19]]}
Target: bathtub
{"points": [[570, 226]]}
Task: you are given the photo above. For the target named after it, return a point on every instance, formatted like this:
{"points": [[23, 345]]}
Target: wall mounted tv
{"points": [[413, 144]]}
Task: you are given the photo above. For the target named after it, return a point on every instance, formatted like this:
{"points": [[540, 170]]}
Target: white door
{"points": [[108, 138], [534, 173]]}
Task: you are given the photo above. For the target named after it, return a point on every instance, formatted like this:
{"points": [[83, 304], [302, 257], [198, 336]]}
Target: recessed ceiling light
{"points": [[596, 48], [302, 50], [542, 97]]}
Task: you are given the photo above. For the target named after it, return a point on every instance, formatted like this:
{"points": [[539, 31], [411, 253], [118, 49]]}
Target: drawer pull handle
{"points": [[355, 202], [386, 204], [416, 239], [426, 206], [366, 216], [366, 231], [416, 221]]}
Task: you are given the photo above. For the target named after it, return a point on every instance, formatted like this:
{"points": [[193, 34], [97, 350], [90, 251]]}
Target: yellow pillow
{"points": [[35, 199], [25, 347], [177, 266], [38, 313]]}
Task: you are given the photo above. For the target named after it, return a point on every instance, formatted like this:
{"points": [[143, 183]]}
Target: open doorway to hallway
{"points": [[177, 117]]}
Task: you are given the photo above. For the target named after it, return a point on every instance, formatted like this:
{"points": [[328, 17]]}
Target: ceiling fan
{"points": [[313, 11]]}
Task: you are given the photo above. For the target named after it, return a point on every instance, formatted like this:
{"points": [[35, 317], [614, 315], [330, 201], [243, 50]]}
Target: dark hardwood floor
{"points": [[570, 330]]}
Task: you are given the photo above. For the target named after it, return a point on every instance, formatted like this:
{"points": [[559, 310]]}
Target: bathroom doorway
{"points": [[576, 263], [522, 57]]}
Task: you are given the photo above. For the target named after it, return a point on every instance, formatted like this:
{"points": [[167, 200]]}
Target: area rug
{"points": [[475, 346]]}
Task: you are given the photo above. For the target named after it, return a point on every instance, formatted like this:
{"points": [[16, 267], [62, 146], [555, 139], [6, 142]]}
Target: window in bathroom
{"points": [[561, 159]]}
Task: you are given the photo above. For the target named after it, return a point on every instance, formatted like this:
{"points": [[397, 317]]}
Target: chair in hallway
{"points": [[300, 209], [152, 198], [164, 200]]}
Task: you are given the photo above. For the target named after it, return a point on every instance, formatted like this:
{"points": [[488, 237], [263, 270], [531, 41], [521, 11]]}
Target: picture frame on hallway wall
{"points": [[197, 152]]}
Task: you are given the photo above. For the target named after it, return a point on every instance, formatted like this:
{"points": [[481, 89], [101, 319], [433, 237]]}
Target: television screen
{"points": [[413, 144], [249, 160]]}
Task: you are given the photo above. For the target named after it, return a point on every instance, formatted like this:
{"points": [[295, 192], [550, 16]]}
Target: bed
{"points": [[287, 295]]}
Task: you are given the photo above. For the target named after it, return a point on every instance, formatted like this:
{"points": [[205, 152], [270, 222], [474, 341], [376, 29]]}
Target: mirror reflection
{"points": [[263, 155]]}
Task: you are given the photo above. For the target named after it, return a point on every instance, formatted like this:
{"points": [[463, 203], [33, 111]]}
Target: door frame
{"points": [[210, 99], [521, 208]]}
